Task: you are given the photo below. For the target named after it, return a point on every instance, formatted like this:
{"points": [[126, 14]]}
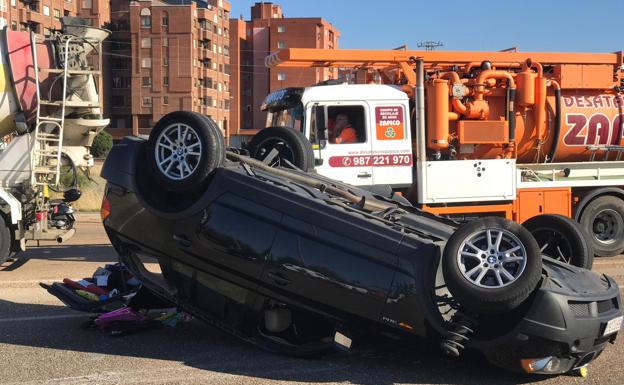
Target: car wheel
{"points": [[603, 218], [5, 242], [562, 238], [291, 147], [491, 265], [183, 149]]}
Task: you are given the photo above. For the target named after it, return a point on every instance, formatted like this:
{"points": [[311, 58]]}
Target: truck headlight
{"points": [[540, 365]]}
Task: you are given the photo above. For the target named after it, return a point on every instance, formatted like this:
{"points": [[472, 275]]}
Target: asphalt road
{"points": [[42, 342]]}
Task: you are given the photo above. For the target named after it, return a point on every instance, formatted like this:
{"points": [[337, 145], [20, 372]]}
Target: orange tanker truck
{"points": [[533, 137]]}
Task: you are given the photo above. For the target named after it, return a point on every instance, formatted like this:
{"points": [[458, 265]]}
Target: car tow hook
{"points": [[460, 327]]}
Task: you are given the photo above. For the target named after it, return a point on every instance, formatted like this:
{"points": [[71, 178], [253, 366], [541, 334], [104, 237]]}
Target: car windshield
{"points": [[284, 108]]}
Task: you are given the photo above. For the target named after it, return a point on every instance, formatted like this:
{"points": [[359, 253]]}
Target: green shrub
{"points": [[102, 144]]}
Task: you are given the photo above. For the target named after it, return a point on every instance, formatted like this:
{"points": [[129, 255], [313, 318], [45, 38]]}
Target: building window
{"points": [[146, 42], [147, 101], [146, 18], [46, 10], [165, 80], [165, 100], [281, 76], [13, 26], [146, 81], [57, 13], [87, 4], [13, 3], [118, 101], [281, 28], [165, 42], [165, 21], [281, 44], [226, 50], [165, 61], [146, 62]]}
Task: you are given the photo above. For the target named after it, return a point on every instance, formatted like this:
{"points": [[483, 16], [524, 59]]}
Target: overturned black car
{"points": [[299, 264]]}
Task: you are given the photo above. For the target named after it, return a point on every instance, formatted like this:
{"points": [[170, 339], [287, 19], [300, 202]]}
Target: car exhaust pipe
{"points": [[66, 236]]}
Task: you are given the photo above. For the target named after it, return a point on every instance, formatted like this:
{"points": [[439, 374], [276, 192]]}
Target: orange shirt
{"points": [[347, 135]]}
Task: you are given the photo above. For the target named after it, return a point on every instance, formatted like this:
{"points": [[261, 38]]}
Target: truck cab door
{"points": [[342, 150], [392, 158]]}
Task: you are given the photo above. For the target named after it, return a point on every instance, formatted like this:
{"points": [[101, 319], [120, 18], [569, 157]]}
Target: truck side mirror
{"points": [[321, 127]]}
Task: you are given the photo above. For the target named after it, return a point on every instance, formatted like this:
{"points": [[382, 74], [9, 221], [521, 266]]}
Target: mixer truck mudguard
{"points": [[470, 134], [50, 112], [297, 263]]}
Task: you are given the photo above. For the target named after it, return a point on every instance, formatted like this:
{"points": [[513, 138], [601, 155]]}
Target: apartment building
{"points": [[41, 16], [252, 40], [167, 55]]}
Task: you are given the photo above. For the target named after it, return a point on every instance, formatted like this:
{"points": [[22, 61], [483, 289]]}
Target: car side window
{"points": [[346, 125]]}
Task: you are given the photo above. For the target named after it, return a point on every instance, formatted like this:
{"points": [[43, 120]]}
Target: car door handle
{"points": [[182, 240], [279, 278], [364, 175]]}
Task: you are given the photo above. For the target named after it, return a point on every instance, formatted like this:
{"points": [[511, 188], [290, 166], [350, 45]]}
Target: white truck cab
{"points": [[360, 133]]}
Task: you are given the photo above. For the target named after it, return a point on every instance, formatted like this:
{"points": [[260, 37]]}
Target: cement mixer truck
{"points": [[50, 112], [533, 137]]}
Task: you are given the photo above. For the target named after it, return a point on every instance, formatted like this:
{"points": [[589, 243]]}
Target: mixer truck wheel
{"points": [[183, 149], [603, 218], [282, 147], [491, 265], [563, 239]]}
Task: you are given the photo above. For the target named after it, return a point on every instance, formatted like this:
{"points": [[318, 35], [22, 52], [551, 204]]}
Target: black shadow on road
{"points": [[71, 253], [201, 346]]}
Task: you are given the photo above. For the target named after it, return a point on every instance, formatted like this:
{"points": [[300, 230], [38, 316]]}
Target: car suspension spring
{"points": [[460, 327]]}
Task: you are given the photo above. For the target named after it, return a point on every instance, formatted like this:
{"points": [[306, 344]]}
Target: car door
{"points": [[222, 251], [334, 263], [351, 161]]}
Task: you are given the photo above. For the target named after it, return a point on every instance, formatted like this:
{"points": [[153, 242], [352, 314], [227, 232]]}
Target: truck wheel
{"points": [[491, 265], [603, 218], [5, 242], [183, 149], [563, 239], [292, 148]]}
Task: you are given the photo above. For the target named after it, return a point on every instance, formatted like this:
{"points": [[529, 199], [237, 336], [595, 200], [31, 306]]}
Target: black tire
{"points": [[5, 242], [488, 296], [603, 219], [292, 145], [203, 131], [562, 238]]}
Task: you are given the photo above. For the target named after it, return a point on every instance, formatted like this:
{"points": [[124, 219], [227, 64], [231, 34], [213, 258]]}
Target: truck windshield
{"points": [[284, 108], [291, 117]]}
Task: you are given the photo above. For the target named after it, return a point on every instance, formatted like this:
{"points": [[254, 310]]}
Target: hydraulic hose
{"points": [[74, 182], [557, 128]]}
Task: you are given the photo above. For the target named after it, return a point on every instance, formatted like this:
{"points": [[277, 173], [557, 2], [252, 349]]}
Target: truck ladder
{"points": [[46, 158]]}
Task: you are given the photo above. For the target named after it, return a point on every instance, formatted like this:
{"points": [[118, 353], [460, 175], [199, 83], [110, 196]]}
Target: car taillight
{"points": [[105, 209]]}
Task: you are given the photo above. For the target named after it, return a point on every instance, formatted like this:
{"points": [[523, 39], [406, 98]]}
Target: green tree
{"points": [[102, 144]]}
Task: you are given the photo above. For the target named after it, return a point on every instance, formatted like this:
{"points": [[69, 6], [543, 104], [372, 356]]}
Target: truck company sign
{"points": [[593, 120], [389, 123]]}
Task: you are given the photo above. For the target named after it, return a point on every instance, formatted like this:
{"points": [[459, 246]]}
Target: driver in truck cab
{"points": [[343, 130]]}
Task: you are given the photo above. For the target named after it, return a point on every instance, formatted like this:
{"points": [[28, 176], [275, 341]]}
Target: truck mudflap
{"points": [[572, 317]]}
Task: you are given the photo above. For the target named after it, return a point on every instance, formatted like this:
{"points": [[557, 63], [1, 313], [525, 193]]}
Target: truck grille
{"points": [[579, 309]]}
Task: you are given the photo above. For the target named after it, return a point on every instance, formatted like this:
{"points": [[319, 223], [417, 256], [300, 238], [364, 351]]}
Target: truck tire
{"points": [[562, 238], [183, 149], [491, 265], [603, 218], [5, 242], [292, 146]]}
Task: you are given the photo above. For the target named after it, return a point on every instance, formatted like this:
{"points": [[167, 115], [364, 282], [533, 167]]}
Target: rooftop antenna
{"points": [[430, 45]]}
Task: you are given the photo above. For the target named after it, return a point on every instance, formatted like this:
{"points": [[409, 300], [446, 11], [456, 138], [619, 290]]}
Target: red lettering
{"points": [[577, 121], [579, 101], [568, 101], [598, 130], [618, 130]]}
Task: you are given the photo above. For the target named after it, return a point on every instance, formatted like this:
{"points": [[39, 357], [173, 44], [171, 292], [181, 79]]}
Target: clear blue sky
{"points": [[530, 25]]}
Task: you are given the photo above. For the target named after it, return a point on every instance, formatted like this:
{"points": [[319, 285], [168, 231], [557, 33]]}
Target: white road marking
{"points": [[43, 317]]}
